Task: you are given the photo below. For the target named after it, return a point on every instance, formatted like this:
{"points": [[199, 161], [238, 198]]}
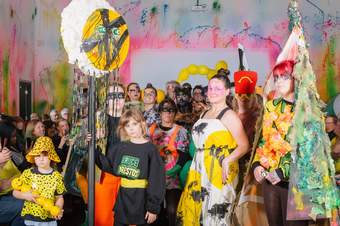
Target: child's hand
{"points": [[150, 217], [60, 214], [30, 197]]}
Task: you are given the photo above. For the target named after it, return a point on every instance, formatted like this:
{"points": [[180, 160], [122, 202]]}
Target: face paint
{"points": [[168, 110], [182, 98], [115, 99], [115, 95], [216, 91]]}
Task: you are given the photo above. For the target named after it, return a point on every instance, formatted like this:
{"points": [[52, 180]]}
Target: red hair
{"points": [[283, 67]]}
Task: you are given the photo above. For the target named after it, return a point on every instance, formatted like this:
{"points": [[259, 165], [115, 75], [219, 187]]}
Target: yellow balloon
{"points": [[55, 211], [142, 93], [203, 70], [183, 75], [48, 205], [221, 64], [211, 73], [16, 184], [35, 192], [41, 201], [25, 188], [193, 69], [160, 95]]}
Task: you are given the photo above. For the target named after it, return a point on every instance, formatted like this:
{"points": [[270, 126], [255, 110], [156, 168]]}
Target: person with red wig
{"points": [[271, 163]]}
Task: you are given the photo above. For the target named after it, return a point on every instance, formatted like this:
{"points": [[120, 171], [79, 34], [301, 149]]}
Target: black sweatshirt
{"points": [[146, 163]]}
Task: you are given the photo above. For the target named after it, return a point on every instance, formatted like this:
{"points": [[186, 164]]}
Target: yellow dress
{"points": [[205, 199]]}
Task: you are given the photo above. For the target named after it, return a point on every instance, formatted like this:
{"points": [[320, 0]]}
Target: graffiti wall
{"points": [[165, 37]]}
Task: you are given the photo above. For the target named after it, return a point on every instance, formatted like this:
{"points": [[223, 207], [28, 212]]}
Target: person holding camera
{"points": [[10, 207], [61, 141]]}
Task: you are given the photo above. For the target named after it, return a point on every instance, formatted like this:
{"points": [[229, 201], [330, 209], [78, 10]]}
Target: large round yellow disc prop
{"points": [[105, 39]]}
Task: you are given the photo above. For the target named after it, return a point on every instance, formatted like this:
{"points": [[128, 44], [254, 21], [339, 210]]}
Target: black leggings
{"points": [[275, 202], [167, 216], [172, 197]]}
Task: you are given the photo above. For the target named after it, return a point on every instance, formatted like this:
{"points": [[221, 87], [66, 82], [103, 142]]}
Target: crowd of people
{"points": [[187, 160]]}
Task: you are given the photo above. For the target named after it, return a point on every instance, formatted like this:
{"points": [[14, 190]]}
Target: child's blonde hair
{"points": [[125, 118]]}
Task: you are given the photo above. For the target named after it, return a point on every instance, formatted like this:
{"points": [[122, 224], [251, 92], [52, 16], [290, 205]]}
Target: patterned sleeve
{"points": [[26, 177], [182, 140], [284, 166], [256, 160], [60, 190]]}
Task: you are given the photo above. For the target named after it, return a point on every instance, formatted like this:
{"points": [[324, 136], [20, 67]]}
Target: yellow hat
{"points": [[40, 145]]}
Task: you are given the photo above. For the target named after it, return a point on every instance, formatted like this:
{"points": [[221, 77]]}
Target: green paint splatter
{"points": [[216, 6], [154, 10], [330, 69], [40, 107], [5, 70], [34, 13], [57, 81], [62, 89]]}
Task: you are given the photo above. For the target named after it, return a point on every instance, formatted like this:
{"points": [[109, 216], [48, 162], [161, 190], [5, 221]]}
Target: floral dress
{"points": [[205, 199]]}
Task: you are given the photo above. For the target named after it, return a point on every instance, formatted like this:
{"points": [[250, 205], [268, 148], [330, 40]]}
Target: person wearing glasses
{"points": [[151, 113], [133, 98], [172, 142], [272, 160], [10, 207]]}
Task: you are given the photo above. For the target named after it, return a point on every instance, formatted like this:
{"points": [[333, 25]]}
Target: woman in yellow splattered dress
{"points": [[220, 141]]}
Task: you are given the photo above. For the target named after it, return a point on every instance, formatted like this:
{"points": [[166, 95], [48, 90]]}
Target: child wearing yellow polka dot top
{"points": [[41, 186]]}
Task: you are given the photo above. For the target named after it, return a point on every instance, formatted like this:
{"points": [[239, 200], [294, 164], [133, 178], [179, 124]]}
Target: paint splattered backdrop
{"points": [[31, 47]]}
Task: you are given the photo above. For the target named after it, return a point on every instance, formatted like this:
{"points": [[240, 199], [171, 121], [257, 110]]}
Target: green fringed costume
{"points": [[312, 189]]}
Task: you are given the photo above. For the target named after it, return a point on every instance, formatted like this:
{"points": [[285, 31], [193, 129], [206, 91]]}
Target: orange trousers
{"points": [[105, 199]]}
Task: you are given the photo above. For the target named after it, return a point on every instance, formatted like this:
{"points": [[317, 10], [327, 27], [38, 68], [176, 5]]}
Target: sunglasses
{"points": [[169, 110], [112, 96]]}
